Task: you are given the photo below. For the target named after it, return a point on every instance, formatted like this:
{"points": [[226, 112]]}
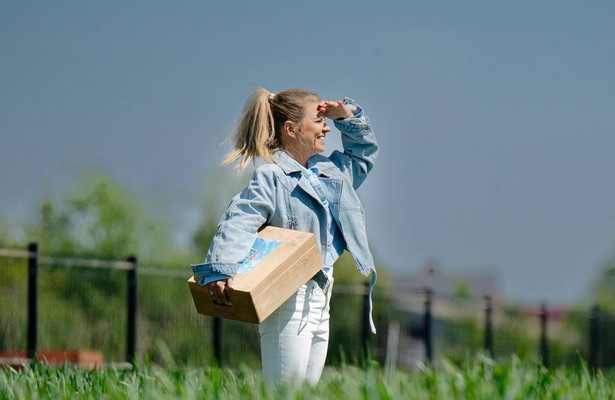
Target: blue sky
{"points": [[496, 120]]}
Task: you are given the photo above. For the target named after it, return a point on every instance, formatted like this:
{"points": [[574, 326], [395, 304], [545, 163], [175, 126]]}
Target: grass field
{"points": [[477, 379]]}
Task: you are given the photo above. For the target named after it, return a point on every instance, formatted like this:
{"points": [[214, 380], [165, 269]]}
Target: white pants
{"points": [[294, 339]]}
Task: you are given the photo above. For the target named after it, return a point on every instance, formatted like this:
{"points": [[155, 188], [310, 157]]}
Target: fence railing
{"points": [[430, 327]]}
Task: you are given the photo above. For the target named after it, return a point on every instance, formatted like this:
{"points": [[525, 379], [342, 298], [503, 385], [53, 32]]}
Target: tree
{"points": [[5, 234], [605, 287], [101, 219]]}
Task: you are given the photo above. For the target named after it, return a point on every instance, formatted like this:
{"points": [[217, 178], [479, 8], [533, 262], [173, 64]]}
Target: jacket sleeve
{"points": [[238, 227], [360, 146]]}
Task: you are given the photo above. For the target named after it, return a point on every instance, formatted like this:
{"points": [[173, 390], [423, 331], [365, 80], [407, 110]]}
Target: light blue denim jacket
{"points": [[279, 195]]}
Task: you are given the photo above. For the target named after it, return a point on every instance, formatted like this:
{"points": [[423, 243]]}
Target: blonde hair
{"points": [[259, 129]]}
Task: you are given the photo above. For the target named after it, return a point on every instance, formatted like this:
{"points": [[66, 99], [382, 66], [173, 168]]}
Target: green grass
{"points": [[480, 378]]}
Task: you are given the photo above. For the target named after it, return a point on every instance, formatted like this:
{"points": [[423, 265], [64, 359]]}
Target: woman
{"points": [[296, 188]]}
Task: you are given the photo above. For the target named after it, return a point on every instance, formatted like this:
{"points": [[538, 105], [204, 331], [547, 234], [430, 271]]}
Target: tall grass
{"points": [[480, 378]]}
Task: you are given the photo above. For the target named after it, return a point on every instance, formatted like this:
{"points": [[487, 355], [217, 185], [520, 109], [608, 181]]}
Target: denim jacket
{"points": [[279, 195]]}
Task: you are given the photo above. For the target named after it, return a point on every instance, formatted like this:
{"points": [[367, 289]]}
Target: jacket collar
{"points": [[325, 166], [286, 162], [290, 165]]}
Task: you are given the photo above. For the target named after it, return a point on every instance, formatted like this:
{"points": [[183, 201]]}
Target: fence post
{"points": [[365, 329], [544, 350], [489, 325], [131, 326], [217, 327], [594, 321], [427, 327], [32, 299]]}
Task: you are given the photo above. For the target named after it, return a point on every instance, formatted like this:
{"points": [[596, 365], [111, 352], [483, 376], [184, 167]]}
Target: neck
{"points": [[295, 155]]}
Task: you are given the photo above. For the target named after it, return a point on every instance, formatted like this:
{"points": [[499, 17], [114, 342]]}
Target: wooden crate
{"points": [[258, 293]]}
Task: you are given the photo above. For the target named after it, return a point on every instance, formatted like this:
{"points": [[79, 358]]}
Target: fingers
{"points": [[334, 109], [326, 106], [213, 291], [221, 285], [217, 291], [333, 103]]}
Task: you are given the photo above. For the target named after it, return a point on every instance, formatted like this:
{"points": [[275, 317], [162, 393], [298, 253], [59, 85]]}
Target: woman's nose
{"points": [[326, 128]]}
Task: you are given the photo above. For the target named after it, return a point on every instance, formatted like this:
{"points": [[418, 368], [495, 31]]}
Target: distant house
{"points": [[459, 293], [458, 284]]}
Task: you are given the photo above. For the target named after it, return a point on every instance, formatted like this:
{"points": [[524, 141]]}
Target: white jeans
{"points": [[294, 339]]}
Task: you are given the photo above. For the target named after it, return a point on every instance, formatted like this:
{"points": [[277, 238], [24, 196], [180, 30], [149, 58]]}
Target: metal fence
{"points": [[131, 312]]}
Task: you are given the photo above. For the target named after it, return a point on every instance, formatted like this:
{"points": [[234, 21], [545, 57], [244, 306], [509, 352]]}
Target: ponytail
{"points": [[255, 131], [259, 129]]}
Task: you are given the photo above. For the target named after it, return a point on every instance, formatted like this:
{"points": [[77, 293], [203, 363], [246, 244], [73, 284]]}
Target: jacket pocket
{"points": [[351, 203]]}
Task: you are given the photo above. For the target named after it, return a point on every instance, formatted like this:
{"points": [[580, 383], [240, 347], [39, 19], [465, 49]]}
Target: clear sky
{"points": [[495, 119]]}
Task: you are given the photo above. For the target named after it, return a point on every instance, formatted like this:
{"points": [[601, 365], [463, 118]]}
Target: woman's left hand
{"points": [[334, 110]]}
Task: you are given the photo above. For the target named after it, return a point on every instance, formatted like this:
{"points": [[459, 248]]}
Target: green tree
{"points": [[5, 233], [104, 219], [605, 299], [101, 218], [51, 230], [605, 287], [462, 290]]}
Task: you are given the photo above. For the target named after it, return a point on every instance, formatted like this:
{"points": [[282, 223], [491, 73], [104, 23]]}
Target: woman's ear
{"points": [[289, 129]]}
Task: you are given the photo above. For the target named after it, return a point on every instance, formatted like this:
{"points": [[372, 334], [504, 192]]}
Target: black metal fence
{"points": [[139, 313]]}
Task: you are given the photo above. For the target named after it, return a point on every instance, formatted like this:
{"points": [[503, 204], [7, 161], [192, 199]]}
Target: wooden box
{"points": [[259, 292]]}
